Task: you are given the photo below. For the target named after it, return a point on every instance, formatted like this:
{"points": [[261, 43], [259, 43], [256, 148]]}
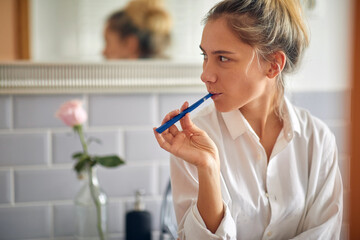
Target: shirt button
{"points": [[267, 195], [289, 136], [269, 234]]}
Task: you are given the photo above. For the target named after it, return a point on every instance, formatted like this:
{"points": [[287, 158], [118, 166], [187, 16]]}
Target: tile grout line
{"points": [[52, 220], [121, 147], [49, 148], [156, 171], [37, 203], [12, 187], [11, 113], [156, 109]]}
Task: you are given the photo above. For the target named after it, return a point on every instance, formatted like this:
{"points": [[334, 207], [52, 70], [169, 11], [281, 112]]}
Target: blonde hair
{"points": [[268, 26], [149, 21]]}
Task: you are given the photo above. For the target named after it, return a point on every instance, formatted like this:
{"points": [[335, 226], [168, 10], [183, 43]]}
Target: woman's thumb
{"points": [[188, 124]]}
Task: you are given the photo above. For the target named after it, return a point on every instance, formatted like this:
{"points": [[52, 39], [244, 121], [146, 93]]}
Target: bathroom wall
{"points": [[37, 183]]}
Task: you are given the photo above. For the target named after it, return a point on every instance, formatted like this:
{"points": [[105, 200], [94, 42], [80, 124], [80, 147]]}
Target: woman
{"points": [[140, 30], [253, 166]]}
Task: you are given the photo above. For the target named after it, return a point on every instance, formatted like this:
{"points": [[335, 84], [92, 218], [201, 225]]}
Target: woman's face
{"points": [[231, 68], [115, 46]]}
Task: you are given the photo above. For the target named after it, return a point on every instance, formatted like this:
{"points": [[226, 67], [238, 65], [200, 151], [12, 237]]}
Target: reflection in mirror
{"points": [[140, 30], [73, 29]]}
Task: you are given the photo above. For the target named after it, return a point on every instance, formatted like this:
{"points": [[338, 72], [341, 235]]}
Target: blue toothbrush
{"points": [[182, 114]]}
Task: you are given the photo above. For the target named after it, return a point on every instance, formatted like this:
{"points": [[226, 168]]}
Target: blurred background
{"points": [[35, 147]]}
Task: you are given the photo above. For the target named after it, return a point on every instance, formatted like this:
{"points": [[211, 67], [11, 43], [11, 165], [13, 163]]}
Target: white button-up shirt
{"points": [[296, 195]]}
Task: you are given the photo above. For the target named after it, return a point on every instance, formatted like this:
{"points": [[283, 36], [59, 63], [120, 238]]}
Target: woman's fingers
{"points": [[166, 138], [184, 106], [162, 142], [170, 115], [173, 130], [186, 117], [186, 122]]}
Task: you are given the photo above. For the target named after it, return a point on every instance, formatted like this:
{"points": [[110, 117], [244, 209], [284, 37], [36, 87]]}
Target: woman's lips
{"points": [[215, 95]]}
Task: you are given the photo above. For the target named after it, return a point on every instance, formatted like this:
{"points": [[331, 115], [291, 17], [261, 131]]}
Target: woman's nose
{"points": [[208, 74]]}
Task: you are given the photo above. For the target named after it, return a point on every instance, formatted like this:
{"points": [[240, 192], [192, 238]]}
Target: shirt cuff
{"points": [[194, 226]]}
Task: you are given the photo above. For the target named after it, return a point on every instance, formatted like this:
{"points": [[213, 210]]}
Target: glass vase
{"points": [[91, 208]]}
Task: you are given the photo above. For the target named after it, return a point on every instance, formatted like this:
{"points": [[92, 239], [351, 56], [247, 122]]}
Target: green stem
{"points": [[96, 202], [78, 129]]}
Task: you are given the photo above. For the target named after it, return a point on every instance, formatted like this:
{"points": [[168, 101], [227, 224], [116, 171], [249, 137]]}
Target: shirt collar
{"points": [[291, 119], [237, 124]]}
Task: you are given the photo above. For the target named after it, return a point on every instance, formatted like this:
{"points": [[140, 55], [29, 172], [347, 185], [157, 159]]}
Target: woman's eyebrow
{"points": [[218, 51]]}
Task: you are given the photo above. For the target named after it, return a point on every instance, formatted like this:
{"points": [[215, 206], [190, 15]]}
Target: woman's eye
{"points": [[204, 56], [223, 59]]}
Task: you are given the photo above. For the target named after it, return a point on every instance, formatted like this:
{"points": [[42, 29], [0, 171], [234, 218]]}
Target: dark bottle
{"points": [[138, 221]]}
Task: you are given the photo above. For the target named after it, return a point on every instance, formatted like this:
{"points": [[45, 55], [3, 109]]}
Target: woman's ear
{"points": [[276, 64]]}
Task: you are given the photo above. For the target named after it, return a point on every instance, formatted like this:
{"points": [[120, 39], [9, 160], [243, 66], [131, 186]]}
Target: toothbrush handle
{"points": [[172, 121]]}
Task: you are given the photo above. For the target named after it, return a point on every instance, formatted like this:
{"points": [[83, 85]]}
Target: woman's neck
{"points": [[262, 117]]}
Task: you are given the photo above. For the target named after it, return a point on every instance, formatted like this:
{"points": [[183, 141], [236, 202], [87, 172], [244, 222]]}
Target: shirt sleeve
{"points": [[323, 218], [185, 190]]}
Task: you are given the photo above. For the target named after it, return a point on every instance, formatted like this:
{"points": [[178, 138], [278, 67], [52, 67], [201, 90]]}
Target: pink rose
{"points": [[72, 113]]}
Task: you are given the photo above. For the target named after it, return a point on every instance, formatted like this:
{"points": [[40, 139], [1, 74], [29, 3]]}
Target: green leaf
{"points": [[80, 165], [77, 155], [93, 162], [109, 161]]}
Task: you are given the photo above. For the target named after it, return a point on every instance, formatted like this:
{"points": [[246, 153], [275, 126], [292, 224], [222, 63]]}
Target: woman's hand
{"points": [[191, 144], [194, 146]]}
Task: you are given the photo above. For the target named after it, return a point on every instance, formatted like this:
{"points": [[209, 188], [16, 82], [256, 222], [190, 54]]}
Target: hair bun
{"points": [[149, 15], [157, 20]]}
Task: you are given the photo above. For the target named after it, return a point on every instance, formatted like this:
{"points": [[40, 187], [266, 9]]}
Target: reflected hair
{"points": [[268, 26], [148, 21]]}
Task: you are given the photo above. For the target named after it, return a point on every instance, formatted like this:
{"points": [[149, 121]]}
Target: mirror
{"points": [[72, 30]]}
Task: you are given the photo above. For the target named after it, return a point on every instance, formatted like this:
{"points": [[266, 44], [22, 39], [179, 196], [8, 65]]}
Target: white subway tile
{"points": [[344, 166], [30, 222], [325, 105], [125, 180], [65, 144], [38, 111], [23, 149], [64, 220], [164, 178], [125, 109], [116, 218], [142, 146], [118, 237], [5, 110], [342, 138], [65, 224], [5, 186], [45, 185]]}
